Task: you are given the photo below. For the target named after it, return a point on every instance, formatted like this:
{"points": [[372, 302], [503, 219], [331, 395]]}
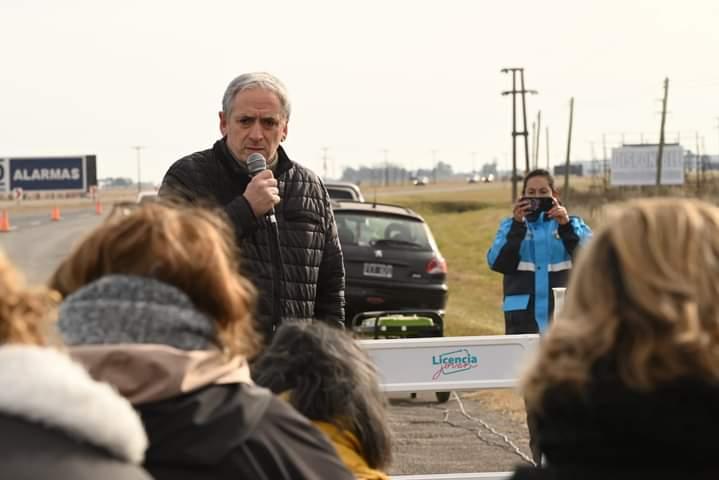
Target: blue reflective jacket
{"points": [[534, 258]]}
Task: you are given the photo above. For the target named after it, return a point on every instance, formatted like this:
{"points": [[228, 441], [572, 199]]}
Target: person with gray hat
{"points": [[155, 306], [282, 217]]}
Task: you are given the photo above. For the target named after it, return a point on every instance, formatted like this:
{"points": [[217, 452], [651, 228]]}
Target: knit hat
{"points": [[137, 310]]}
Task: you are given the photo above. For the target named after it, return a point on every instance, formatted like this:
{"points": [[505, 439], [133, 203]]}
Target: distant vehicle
{"points": [[474, 178], [391, 259], [420, 181], [488, 179], [147, 196], [344, 191]]}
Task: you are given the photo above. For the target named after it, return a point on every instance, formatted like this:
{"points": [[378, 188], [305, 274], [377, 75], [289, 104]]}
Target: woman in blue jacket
{"points": [[534, 250]]}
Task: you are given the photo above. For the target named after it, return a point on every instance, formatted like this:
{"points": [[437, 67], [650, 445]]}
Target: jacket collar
{"points": [[44, 386], [222, 152], [148, 373]]}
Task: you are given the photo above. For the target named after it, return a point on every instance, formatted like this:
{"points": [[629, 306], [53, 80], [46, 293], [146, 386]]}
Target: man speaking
{"points": [[280, 210]]}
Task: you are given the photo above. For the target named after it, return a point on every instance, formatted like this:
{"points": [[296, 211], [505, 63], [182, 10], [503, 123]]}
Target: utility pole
{"points": [[661, 133], [324, 162], [386, 168], [569, 149], [705, 160], [539, 135], [592, 158], [533, 161], [696, 162], [605, 162], [516, 133], [138, 149], [546, 142], [474, 163], [524, 113], [434, 168]]}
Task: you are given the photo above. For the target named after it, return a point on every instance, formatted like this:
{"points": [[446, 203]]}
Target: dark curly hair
{"points": [[331, 379]]}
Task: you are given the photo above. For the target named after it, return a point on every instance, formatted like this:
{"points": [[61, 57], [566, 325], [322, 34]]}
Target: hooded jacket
{"points": [[56, 422], [305, 279], [534, 257], [203, 415]]}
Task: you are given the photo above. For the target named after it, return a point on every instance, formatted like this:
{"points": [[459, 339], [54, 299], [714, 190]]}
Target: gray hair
{"points": [[263, 80], [330, 379]]}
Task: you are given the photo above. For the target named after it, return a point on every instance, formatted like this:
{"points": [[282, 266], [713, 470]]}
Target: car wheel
{"points": [[442, 397]]}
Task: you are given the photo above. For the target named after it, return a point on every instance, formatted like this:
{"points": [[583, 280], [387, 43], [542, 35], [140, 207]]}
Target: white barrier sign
{"points": [[450, 363], [637, 165]]}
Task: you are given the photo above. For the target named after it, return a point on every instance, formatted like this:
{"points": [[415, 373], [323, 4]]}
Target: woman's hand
{"points": [[559, 213], [521, 209]]}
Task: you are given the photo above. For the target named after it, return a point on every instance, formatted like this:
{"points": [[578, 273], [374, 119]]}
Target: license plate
{"points": [[380, 270]]}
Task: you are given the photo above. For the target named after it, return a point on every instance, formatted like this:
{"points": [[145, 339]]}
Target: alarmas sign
{"points": [[48, 173]]}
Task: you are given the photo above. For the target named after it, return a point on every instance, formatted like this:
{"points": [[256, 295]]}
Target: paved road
{"points": [[430, 437], [37, 244]]}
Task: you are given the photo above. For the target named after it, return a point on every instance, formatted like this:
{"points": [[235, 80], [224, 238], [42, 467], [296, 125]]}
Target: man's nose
{"points": [[256, 131]]}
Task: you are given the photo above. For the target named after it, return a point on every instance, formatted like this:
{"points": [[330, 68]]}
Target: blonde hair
{"points": [[644, 296], [190, 248], [26, 315]]}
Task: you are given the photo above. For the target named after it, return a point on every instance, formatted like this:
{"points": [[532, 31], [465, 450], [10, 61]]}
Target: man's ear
{"points": [[223, 124]]}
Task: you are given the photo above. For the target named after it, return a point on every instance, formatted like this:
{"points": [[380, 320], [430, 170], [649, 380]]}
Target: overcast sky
{"points": [[407, 76]]}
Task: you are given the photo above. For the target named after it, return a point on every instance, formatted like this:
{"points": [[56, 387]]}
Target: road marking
{"points": [[36, 222]]}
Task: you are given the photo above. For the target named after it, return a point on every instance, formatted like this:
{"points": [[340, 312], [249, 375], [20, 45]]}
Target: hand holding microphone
{"points": [[261, 193]]}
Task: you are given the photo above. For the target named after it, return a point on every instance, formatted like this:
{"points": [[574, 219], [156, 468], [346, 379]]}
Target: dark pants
{"points": [[518, 323]]}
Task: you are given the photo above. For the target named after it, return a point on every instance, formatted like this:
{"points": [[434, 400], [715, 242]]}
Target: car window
{"points": [[341, 194], [382, 230]]}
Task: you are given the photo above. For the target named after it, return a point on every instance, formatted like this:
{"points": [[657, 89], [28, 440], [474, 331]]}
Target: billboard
{"points": [[637, 165], [76, 173], [4, 176]]}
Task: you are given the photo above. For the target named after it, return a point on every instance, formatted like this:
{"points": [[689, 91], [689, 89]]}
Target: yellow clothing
{"points": [[348, 449]]}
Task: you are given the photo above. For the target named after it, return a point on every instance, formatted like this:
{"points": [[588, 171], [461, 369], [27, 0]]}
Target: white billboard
{"points": [[637, 165]]}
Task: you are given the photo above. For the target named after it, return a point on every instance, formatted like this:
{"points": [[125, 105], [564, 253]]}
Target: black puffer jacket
{"points": [[312, 281]]}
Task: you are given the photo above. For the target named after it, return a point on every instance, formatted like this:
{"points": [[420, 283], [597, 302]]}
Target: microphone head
{"points": [[256, 163]]}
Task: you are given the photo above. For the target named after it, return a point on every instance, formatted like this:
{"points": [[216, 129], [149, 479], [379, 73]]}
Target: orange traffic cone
{"points": [[98, 208], [55, 215], [5, 222]]}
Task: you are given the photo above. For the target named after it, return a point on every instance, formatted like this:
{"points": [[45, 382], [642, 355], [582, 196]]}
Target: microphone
{"points": [[255, 164]]}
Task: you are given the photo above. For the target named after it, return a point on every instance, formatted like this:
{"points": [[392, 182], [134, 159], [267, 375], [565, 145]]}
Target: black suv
{"points": [[391, 259]]}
